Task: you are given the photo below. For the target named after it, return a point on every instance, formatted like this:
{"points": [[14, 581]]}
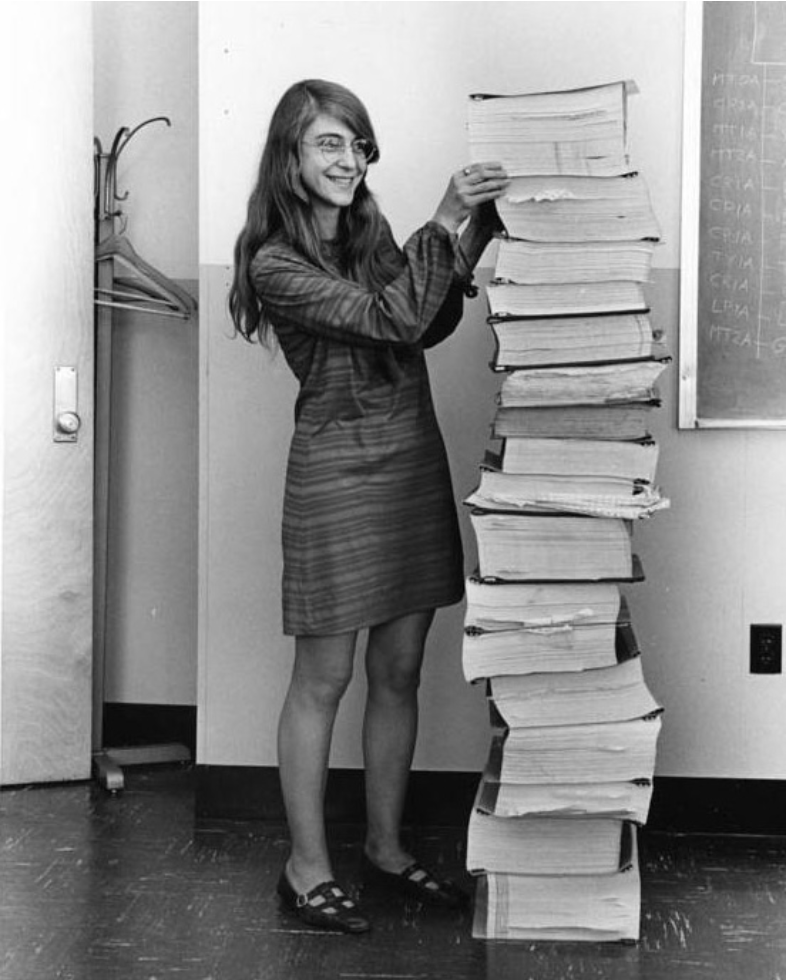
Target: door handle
{"points": [[66, 422]]}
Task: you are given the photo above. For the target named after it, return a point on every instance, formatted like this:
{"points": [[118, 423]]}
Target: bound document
{"points": [[546, 845], [608, 752], [574, 908], [592, 493], [581, 385], [633, 461], [571, 340], [551, 548], [507, 299], [540, 606], [535, 263], [587, 643], [578, 209], [623, 420], [582, 697], [579, 132], [621, 799]]}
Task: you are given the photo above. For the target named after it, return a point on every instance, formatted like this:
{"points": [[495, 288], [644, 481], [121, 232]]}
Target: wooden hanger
{"points": [[155, 292]]}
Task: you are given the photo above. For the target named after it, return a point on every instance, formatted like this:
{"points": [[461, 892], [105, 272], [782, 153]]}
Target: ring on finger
{"points": [[467, 171]]}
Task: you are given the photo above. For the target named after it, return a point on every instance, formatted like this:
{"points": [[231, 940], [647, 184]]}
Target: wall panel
{"points": [[713, 562]]}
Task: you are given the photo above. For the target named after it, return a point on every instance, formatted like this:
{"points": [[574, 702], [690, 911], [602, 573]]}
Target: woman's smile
{"points": [[344, 182], [339, 174]]}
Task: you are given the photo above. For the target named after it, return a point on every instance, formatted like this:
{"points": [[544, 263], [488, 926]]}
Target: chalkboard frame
{"points": [[689, 231], [689, 416]]}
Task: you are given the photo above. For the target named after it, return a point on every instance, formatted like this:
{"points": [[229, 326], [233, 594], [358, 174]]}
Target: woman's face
{"points": [[330, 169]]}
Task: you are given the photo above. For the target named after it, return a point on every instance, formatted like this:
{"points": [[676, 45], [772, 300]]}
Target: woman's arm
{"points": [[448, 317], [471, 194], [294, 291], [483, 224]]}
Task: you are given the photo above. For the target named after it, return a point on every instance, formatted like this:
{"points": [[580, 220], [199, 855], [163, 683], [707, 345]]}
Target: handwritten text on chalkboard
{"points": [[741, 343]]}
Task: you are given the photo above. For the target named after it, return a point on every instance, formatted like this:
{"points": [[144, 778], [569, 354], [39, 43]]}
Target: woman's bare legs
{"points": [[393, 661], [320, 675]]}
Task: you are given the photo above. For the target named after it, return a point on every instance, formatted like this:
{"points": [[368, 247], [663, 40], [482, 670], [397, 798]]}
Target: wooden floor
{"points": [[96, 887]]}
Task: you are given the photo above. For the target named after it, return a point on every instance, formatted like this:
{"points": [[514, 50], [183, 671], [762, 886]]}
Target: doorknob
{"points": [[66, 421]]}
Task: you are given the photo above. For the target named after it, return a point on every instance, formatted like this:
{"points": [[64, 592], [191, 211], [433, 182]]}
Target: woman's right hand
{"points": [[475, 184]]}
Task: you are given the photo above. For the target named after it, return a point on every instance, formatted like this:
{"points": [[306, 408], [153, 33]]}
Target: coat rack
{"points": [[142, 289]]}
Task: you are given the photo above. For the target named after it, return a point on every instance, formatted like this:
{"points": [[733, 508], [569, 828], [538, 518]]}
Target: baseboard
{"points": [[133, 725], [441, 799], [719, 806], [679, 805]]}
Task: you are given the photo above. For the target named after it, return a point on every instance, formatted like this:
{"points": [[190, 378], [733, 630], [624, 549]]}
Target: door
{"points": [[47, 475]]}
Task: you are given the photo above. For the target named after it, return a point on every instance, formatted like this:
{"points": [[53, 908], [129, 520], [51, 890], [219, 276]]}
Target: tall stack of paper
{"points": [[548, 628]]}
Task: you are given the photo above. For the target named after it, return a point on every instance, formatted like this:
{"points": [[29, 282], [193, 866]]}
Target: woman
{"points": [[370, 532]]}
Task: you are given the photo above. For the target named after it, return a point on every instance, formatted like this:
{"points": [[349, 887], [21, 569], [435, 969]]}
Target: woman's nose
{"points": [[347, 158]]}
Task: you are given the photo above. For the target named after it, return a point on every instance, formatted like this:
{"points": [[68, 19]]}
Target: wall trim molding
{"points": [[254, 793], [129, 724], [680, 804]]}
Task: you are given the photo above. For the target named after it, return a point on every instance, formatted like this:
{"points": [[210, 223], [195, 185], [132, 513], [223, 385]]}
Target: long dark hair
{"points": [[279, 204]]}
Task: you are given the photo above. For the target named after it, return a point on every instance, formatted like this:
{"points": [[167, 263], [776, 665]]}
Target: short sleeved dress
{"points": [[370, 529]]}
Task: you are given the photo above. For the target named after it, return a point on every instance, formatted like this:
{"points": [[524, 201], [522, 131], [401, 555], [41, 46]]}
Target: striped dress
{"points": [[370, 530]]}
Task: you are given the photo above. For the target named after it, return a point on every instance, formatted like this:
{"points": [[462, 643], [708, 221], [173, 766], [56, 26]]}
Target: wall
{"points": [[713, 562], [146, 66]]}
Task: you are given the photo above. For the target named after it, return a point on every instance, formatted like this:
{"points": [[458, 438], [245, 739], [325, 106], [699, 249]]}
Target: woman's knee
{"points": [[395, 654], [394, 670], [398, 677], [322, 670]]}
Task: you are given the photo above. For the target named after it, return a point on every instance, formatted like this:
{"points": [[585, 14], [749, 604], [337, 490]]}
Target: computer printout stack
{"points": [[569, 472]]}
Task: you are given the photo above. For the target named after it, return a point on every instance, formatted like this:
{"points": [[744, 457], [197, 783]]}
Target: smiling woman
{"points": [[370, 530]]}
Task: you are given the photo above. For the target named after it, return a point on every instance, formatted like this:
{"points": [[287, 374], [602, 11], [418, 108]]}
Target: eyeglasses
{"points": [[332, 148]]}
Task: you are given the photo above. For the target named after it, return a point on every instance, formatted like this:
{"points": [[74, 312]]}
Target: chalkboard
{"points": [[733, 325]]}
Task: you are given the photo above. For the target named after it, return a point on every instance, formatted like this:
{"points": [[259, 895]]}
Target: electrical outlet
{"points": [[765, 648]]}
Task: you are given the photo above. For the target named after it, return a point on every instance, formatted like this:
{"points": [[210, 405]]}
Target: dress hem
{"points": [[374, 621]]}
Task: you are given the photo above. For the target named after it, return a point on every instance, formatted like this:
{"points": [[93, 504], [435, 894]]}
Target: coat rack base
{"points": [[108, 764]]}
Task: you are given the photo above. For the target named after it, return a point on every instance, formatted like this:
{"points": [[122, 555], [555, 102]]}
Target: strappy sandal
{"points": [[417, 882], [327, 906]]}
